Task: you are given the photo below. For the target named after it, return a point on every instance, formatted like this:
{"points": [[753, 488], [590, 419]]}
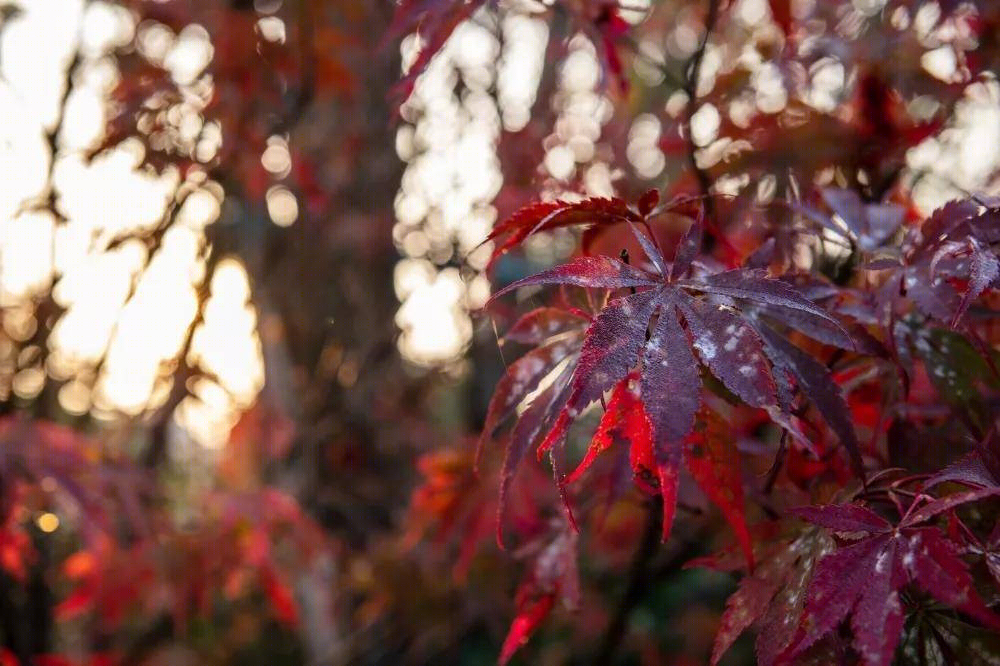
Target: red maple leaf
{"points": [[668, 316], [553, 576], [863, 580]]}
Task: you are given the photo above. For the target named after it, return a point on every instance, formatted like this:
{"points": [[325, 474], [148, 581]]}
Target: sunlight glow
{"points": [[126, 254], [47, 522], [226, 346], [282, 205], [443, 207], [432, 320], [962, 157]]}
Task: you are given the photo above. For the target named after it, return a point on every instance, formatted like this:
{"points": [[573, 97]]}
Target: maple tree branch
{"points": [[693, 73], [660, 66], [638, 575], [11, 619], [779, 461], [641, 574], [26, 619], [47, 310], [27, 622], [307, 87], [889, 181], [52, 136], [156, 452]]}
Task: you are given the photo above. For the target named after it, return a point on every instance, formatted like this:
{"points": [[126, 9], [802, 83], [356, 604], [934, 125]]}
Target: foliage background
{"points": [[240, 382]]}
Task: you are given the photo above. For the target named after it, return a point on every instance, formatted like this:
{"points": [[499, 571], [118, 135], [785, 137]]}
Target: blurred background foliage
{"points": [[240, 383]]}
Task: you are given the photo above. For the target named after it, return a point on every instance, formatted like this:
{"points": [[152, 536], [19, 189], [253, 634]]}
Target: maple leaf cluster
{"points": [[670, 351], [687, 355], [244, 543]]}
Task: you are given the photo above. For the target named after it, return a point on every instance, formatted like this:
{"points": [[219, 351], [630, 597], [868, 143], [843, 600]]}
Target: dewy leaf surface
{"points": [[611, 347], [843, 517], [545, 216], [534, 422], [817, 384], [843, 587], [732, 350], [714, 462], [592, 272], [540, 324], [751, 285], [863, 580], [669, 372], [521, 378]]}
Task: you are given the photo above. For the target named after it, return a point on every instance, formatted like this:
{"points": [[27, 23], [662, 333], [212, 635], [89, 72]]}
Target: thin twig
{"points": [[637, 580], [779, 461], [692, 75], [306, 92], [645, 571]]}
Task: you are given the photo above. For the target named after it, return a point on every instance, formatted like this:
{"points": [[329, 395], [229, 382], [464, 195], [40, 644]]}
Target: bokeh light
{"points": [[124, 256]]}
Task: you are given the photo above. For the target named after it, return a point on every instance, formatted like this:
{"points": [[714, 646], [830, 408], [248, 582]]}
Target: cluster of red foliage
{"points": [[683, 346], [807, 402], [134, 558]]}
